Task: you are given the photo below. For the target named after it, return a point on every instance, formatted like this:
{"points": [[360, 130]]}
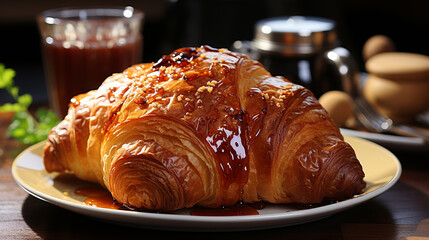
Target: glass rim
{"points": [[79, 14], [296, 24]]}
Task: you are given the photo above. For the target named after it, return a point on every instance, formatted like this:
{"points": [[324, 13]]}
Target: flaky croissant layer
{"points": [[204, 127]]}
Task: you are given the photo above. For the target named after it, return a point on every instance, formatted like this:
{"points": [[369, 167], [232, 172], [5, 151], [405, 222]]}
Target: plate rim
{"points": [[221, 223]]}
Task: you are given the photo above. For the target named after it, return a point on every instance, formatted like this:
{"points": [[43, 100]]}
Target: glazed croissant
{"points": [[204, 127]]}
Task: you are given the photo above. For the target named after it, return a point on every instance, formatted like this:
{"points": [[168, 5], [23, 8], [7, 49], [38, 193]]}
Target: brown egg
{"points": [[339, 106], [377, 44], [398, 84]]}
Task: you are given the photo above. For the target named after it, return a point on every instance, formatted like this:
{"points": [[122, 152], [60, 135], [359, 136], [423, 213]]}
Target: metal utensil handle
{"points": [[347, 69], [405, 130]]}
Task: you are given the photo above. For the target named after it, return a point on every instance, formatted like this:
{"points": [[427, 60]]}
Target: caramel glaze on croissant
{"points": [[204, 127]]}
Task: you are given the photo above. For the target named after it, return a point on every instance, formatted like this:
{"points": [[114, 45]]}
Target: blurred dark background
{"points": [[175, 23]]}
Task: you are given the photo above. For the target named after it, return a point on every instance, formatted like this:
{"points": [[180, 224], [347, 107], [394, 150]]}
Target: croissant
{"points": [[204, 127]]}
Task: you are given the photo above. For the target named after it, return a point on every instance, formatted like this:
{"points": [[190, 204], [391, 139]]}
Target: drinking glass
{"points": [[82, 47]]}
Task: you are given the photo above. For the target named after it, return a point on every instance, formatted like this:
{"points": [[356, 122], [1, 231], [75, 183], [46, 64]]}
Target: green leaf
{"points": [[19, 126], [12, 107], [6, 77], [25, 100], [14, 91], [24, 127], [46, 116], [28, 130]]}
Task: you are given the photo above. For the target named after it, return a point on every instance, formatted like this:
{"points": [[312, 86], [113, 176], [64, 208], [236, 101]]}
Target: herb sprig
{"points": [[25, 127]]}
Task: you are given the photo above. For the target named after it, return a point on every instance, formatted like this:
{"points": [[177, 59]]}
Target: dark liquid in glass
{"points": [[72, 71], [311, 72]]}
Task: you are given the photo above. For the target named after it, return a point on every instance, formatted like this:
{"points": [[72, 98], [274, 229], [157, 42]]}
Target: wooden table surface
{"points": [[394, 214]]}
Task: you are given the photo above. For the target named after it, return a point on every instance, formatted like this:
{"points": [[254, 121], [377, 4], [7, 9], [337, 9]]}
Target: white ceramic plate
{"points": [[381, 167]]}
